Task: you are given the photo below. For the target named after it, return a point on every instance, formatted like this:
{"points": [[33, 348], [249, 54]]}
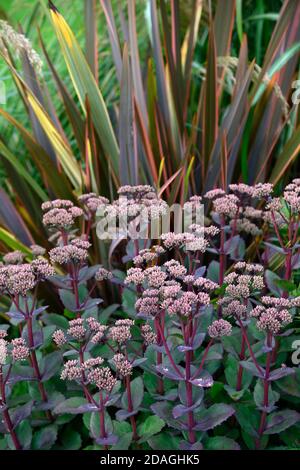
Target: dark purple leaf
{"points": [[39, 310], [52, 363], [156, 347], [200, 271], [205, 380], [137, 394], [16, 316], [163, 410], [139, 361], [184, 445], [74, 405], [169, 396], [180, 410], [121, 415], [68, 299], [21, 373], [198, 340], [213, 416], [168, 372], [91, 303], [232, 244], [112, 399], [271, 279], [21, 413], [107, 441], [275, 247], [281, 420], [87, 272], [253, 369], [183, 348], [61, 282], [281, 372]]}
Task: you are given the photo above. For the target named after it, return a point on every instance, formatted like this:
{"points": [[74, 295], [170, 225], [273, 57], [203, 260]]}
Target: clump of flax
{"points": [[230, 64], [19, 43]]}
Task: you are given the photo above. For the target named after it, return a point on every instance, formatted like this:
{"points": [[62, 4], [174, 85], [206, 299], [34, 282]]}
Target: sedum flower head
{"points": [[123, 366], [219, 328]]}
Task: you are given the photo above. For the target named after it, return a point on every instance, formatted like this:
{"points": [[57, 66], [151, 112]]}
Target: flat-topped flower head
{"points": [[135, 276], [42, 269], [92, 362], [155, 276], [14, 257], [77, 329], [92, 203], [72, 370], [241, 189], [148, 334], [59, 338], [121, 331], [68, 253], [205, 284], [214, 193], [175, 269], [226, 205], [219, 328], [262, 190], [60, 214], [37, 250], [210, 231], [17, 279], [103, 274], [235, 308], [103, 378], [246, 226], [99, 334], [20, 351], [148, 306], [122, 365]]}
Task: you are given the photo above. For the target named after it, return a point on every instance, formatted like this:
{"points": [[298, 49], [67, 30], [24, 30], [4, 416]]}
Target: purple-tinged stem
{"points": [[222, 257], [6, 415], [130, 407], [249, 347], [266, 392], [189, 397], [168, 352], [203, 359], [240, 370], [159, 358], [102, 418], [81, 360], [35, 366]]}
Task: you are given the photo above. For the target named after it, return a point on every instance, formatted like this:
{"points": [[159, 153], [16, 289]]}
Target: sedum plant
{"points": [[196, 353]]}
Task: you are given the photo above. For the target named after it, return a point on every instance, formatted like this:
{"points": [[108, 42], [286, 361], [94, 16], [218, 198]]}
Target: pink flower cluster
{"points": [[60, 214]]}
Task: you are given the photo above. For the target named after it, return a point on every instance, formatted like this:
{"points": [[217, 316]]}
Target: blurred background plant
{"points": [[186, 96]]}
